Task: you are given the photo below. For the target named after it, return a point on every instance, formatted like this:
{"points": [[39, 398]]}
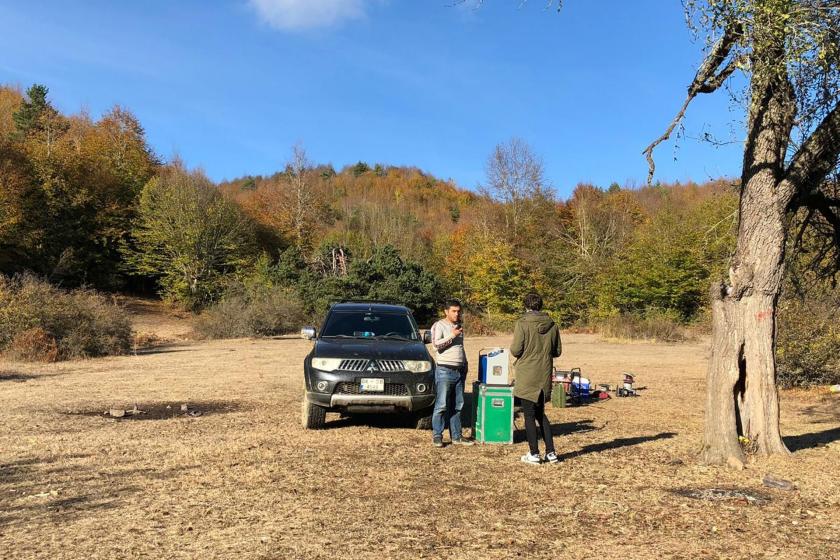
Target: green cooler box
{"points": [[492, 413]]}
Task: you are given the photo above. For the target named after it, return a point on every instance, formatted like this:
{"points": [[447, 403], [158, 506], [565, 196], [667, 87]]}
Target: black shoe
{"points": [[437, 442]]}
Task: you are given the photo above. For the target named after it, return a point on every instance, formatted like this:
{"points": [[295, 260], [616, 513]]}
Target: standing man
{"points": [[536, 342], [450, 374]]}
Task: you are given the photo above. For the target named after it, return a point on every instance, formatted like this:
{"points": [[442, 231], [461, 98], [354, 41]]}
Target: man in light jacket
{"points": [[450, 374], [536, 342]]}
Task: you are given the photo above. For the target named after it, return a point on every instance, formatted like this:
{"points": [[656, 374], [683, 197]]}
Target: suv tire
{"points": [[423, 421], [313, 416]]}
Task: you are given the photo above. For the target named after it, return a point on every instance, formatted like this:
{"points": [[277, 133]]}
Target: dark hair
{"points": [[533, 301], [451, 302]]}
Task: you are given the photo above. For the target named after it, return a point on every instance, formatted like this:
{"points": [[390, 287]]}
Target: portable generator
{"points": [[626, 389]]}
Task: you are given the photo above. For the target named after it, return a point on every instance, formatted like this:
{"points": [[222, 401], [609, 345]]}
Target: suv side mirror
{"points": [[308, 333], [427, 337]]}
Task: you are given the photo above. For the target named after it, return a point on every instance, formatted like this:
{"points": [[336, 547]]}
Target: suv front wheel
{"points": [[423, 420], [313, 416]]}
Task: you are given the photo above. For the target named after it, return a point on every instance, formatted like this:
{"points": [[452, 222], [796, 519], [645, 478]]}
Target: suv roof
{"points": [[369, 306]]}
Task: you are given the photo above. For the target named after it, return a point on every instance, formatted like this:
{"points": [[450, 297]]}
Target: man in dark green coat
{"points": [[536, 342]]}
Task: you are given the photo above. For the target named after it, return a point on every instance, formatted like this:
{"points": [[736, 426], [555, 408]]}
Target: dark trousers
{"points": [[535, 412]]}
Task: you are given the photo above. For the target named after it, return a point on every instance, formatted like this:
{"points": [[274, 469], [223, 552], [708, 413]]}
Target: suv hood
{"points": [[371, 349]]}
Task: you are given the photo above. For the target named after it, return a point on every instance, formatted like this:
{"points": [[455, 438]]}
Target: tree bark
{"points": [[742, 399], [720, 438]]}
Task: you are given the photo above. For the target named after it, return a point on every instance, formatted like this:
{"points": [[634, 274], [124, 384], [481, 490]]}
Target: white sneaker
{"points": [[551, 458], [531, 459]]}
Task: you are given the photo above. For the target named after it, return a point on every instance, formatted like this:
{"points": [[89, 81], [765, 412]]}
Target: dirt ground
{"points": [[235, 476]]}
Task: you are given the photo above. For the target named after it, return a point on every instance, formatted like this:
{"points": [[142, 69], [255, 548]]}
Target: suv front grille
{"points": [[360, 364], [353, 365], [391, 389], [391, 365]]}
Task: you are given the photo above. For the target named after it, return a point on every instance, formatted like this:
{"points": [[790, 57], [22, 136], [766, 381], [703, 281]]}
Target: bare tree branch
{"points": [[805, 222], [716, 81], [707, 80]]}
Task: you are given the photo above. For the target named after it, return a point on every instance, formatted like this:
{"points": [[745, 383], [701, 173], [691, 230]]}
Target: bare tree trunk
{"points": [[741, 397]]}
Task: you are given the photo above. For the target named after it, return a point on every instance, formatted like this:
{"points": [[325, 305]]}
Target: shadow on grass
{"points": [[54, 489], [162, 410], [386, 420], [57, 509], [560, 429], [162, 349], [23, 470], [616, 444], [17, 377], [813, 439]]}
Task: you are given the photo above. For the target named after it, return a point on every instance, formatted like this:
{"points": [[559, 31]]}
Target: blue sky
{"points": [[230, 86]]}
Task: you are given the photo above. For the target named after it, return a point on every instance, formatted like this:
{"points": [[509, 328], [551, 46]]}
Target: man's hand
{"points": [[457, 331]]}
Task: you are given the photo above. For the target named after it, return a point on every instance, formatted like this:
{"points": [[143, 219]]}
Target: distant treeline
{"points": [[87, 202]]}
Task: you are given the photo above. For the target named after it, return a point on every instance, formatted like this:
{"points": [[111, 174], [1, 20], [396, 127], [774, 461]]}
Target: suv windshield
{"points": [[357, 324]]}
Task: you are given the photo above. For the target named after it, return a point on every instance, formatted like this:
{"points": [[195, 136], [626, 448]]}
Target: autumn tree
{"points": [[188, 235], [671, 258], [591, 228], [10, 101], [302, 201], [69, 188], [497, 279], [516, 178], [21, 204], [290, 202]]}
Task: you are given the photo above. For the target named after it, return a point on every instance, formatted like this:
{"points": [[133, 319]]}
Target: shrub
{"points": [[41, 322], [478, 325], [808, 343], [654, 324], [499, 322], [252, 310], [33, 345]]}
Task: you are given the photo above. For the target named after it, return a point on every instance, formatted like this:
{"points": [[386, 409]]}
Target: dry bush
{"points": [[808, 344], [33, 345], [252, 311], [81, 323], [146, 340], [701, 324], [477, 325], [500, 322], [654, 324]]}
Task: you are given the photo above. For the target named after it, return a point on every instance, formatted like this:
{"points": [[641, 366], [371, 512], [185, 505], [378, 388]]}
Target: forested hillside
{"points": [[86, 201]]}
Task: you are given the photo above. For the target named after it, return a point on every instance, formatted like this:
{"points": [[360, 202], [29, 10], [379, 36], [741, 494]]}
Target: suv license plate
{"points": [[370, 384]]}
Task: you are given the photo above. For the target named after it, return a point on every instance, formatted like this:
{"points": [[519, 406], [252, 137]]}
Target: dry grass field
{"points": [[237, 477]]}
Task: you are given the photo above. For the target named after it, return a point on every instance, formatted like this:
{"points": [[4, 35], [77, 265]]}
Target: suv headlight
{"points": [[326, 364], [417, 366]]}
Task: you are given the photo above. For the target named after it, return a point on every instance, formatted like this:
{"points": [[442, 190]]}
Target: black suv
{"points": [[368, 357]]}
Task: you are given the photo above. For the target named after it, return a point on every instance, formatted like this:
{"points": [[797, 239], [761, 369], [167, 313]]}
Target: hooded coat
{"points": [[536, 342]]}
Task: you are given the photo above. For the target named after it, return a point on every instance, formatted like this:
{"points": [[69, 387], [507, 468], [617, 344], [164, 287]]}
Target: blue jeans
{"points": [[448, 379]]}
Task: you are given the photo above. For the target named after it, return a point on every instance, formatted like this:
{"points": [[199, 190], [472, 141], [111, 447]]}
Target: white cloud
{"points": [[306, 14]]}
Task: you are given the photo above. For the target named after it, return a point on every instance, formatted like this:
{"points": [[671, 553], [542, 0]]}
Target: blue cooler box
{"points": [[493, 366]]}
